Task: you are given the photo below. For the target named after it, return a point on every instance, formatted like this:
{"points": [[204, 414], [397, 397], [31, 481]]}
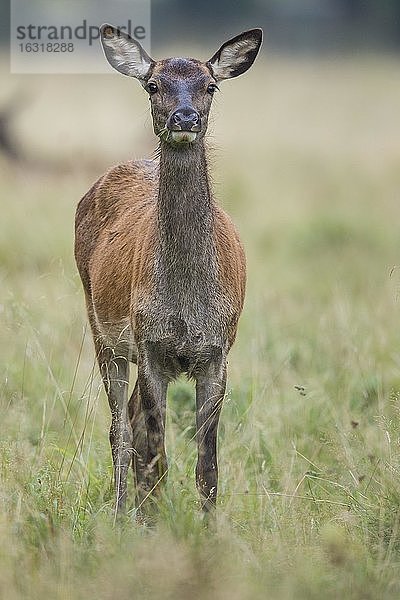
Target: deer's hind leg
{"points": [[139, 453], [114, 369]]}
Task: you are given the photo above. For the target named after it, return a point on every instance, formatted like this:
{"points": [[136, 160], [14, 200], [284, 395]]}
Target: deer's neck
{"points": [[186, 222]]}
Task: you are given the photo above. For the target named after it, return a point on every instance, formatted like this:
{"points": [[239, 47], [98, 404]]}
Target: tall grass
{"points": [[309, 443]]}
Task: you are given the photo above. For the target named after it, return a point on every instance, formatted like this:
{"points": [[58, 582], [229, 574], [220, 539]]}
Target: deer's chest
{"points": [[182, 341], [185, 322], [185, 314], [186, 329]]}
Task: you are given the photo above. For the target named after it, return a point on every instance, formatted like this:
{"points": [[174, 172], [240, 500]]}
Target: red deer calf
{"points": [[162, 266]]}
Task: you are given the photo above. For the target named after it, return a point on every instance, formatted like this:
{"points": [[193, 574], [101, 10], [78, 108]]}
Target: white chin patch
{"points": [[183, 137]]}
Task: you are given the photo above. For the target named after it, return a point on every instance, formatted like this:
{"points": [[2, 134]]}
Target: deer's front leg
{"points": [[115, 373], [210, 390], [153, 391]]}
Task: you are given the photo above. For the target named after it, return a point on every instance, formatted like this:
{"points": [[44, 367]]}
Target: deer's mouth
{"points": [[183, 137], [177, 137]]}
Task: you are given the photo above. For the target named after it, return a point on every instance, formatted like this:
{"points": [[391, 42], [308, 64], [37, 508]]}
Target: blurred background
{"points": [[300, 30], [291, 24], [307, 30]]}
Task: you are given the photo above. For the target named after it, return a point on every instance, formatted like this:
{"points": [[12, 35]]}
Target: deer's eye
{"points": [[152, 87], [212, 88]]}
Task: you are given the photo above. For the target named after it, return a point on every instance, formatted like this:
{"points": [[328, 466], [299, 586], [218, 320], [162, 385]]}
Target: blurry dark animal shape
{"points": [[8, 143]]}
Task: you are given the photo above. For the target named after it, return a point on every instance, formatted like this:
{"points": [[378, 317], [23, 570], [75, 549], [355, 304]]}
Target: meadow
{"points": [[305, 156]]}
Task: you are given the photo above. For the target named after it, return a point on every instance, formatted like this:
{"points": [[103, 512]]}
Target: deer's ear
{"points": [[236, 55], [124, 53]]}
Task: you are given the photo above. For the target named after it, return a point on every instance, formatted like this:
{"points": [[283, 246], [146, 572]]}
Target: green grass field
{"points": [[306, 159]]}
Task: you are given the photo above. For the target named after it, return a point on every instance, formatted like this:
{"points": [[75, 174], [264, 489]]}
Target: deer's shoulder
{"points": [[124, 187]]}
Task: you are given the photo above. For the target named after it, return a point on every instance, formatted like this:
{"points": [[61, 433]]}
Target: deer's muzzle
{"points": [[184, 119]]}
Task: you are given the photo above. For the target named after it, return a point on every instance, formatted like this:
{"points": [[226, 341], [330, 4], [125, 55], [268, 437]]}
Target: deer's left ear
{"points": [[236, 55]]}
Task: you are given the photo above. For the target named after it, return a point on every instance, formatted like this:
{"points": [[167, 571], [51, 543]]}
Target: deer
{"points": [[163, 268]]}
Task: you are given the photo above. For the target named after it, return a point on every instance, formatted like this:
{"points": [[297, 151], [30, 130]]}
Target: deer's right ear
{"points": [[124, 53]]}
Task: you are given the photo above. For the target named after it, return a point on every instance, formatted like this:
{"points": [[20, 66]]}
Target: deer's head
{"points": [[180, 89]]}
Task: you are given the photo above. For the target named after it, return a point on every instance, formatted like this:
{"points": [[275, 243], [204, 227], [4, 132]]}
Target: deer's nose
{"points": [[184, 119]]}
